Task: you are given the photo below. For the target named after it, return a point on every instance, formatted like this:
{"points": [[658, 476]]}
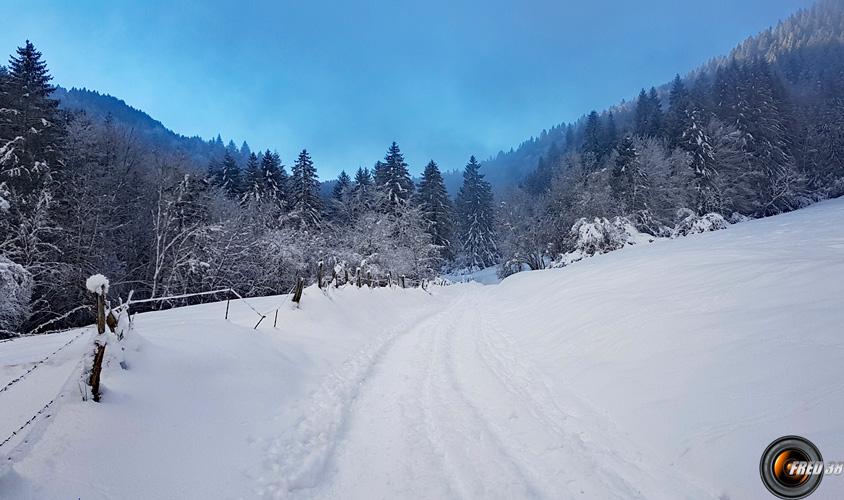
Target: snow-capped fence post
{"points": [[358, 277], [346, 279], [369, 279], [389, 278], [98, 285], [297, 293]]}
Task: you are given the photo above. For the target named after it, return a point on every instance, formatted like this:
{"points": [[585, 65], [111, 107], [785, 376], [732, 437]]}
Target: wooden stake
{"points": [[99, 351]]}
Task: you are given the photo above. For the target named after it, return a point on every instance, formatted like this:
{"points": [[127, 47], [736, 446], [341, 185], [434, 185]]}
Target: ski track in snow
{"points": [[447, 410]]}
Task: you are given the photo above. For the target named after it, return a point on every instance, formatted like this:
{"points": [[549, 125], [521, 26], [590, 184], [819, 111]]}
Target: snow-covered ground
{"points": [[658, 371]]}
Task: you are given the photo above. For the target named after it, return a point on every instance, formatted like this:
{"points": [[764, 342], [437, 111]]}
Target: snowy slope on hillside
{"points": [[658, 371]]}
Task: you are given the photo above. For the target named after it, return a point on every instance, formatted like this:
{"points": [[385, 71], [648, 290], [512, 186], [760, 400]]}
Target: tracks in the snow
{"points": [[445, 408]]}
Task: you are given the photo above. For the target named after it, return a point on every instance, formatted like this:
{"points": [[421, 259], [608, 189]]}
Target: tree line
{"points": [[80, 196]]}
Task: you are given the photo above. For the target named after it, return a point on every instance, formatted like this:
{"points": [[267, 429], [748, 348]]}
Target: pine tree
{"points": [[610, 135], [656, 119], [306, 204], [274, 177], [697, 142], [396, 184], [227, 176], [476, 219], [593, 140], [31, 126], [648, 114], [343, 186], [435, 205], [362, 199], [380, 174], [676, 119], [628, 181], [253, 185], [570, 142]]}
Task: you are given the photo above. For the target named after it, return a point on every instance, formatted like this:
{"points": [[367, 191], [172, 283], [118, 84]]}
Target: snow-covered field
{"points": [[659, 371]]}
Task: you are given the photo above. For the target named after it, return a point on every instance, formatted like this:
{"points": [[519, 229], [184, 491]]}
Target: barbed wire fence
{"points": [[108, 316]]}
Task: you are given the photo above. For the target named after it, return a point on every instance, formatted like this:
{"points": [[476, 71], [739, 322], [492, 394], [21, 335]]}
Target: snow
{"points": [[659, 371], [691, 223], [485, 276], [97, 284], [16, 289]]}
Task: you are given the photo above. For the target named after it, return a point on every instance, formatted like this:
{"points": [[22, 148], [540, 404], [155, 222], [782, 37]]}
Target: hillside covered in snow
{"points": [[659, 371]]}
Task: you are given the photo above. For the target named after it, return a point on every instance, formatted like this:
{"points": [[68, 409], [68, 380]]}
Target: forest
{"points": [[752, 134]]}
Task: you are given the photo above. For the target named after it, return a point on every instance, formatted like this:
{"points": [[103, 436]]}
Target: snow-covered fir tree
{"points": [[694, 139], [227, 176], [394, 182], [476, 218], [436, 208], [305, 201]]}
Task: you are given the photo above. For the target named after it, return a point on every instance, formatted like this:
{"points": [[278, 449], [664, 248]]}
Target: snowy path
{"points": [[448, 411]]}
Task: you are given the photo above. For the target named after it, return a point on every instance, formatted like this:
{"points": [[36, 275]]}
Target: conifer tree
{"points": [[628, 181], [343, 186], [695, 140], [610, 135], [305, 201], [362, 199], [396, 184], [435, 206], [31, 126], [274, 176], [380, 174], [656, 118], [593, 136], [476, 219], [227, 176], [648, 114], [253, 185], [676, 119]]}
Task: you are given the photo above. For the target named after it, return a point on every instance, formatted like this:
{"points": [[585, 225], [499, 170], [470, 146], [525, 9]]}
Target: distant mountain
{"points": [[806, 50], [150, 131]]}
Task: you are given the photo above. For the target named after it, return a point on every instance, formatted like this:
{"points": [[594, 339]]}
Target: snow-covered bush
{"points": [[602, 235], [15, 294], [736, 217], [691, 223]]}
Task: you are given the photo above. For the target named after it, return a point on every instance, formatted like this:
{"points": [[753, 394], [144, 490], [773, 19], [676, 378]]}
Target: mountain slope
{"points": [[152, 133], [806, 50], [617, 377]]}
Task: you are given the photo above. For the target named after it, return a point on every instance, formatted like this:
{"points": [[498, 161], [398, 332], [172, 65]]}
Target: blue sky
{"points": [[444, 78]]}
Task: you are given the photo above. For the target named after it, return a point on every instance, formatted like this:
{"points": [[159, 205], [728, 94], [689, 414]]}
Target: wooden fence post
{"points": [[228, 300], [369, 279], [402, 281], [297, 294], [319, 275], [346, 280], [99, 351], [358, 277]]}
